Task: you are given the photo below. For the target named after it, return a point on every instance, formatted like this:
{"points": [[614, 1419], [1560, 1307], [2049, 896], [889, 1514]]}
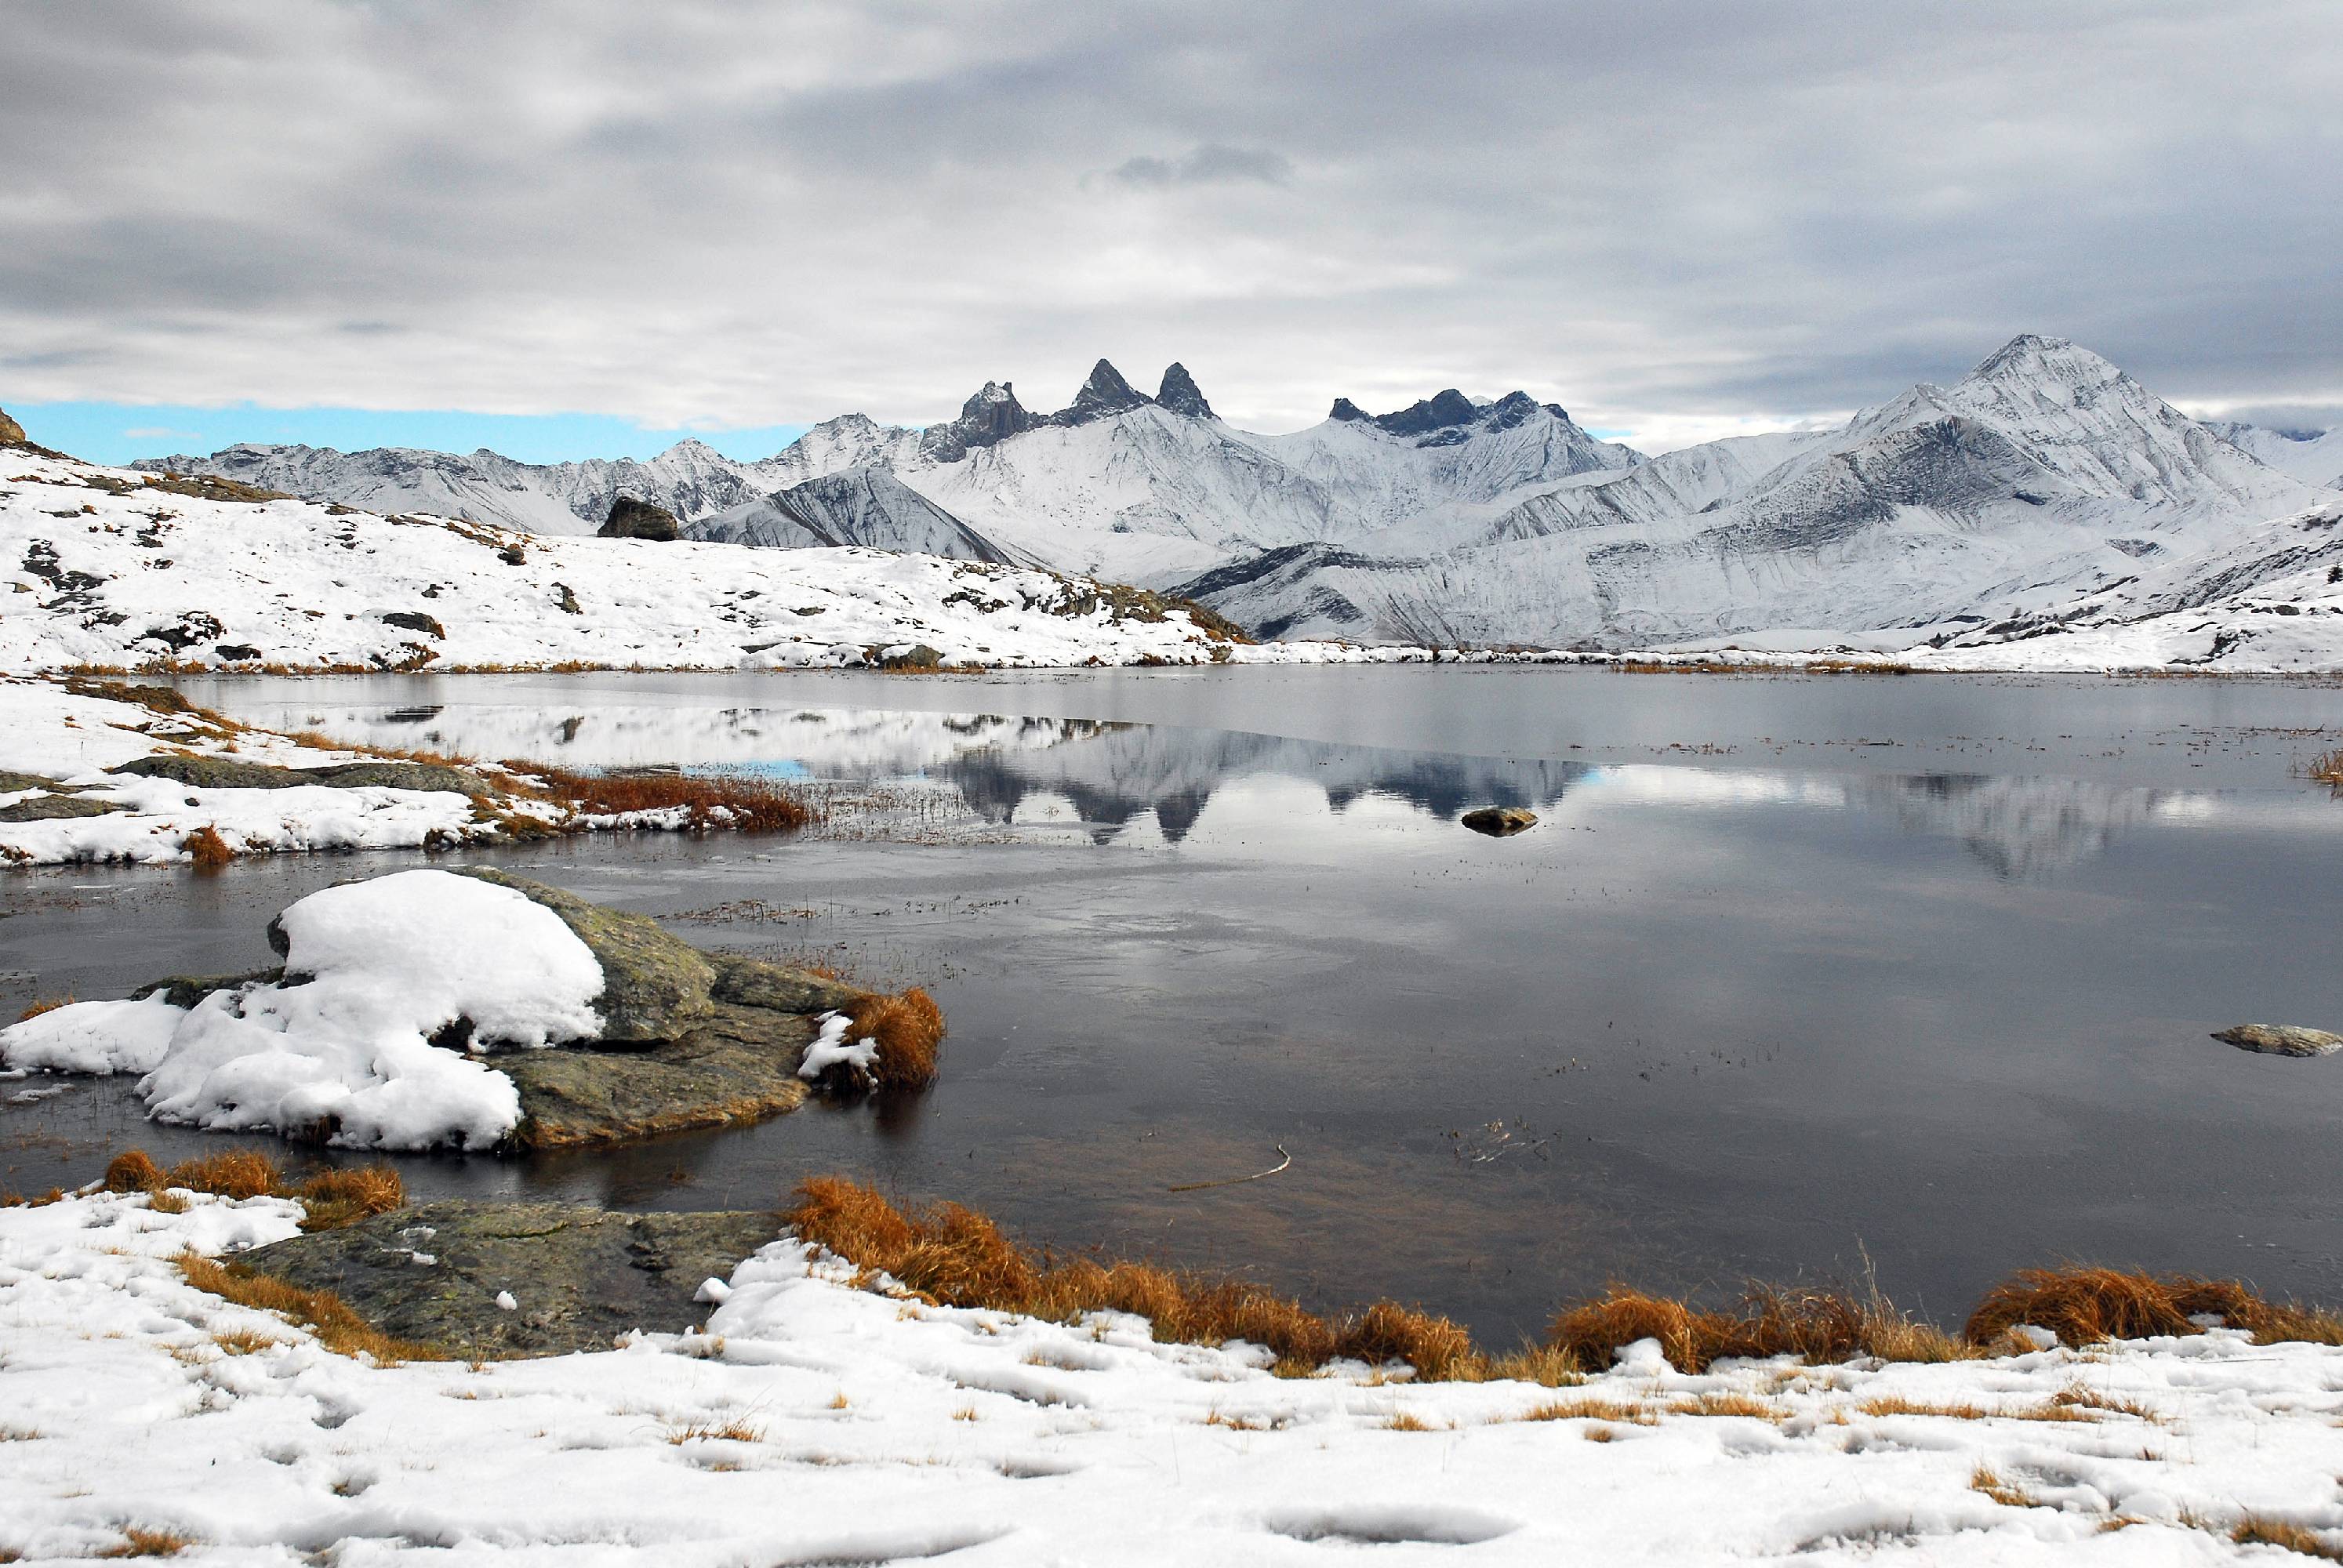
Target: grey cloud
{"points": [[1211, 164], [713, 213]]}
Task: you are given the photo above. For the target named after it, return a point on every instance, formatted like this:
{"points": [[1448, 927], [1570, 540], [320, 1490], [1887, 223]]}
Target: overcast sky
{"points": [[1671, 218]]}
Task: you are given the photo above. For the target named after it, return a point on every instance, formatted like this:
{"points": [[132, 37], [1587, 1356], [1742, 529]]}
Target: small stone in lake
{"points": [[2280, 1039], [1498, 822]]}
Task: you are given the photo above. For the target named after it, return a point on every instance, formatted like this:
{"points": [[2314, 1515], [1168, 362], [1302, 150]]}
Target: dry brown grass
{"points": [[1991, 1483], [953, 1255], [1592, 1410], [1405, 1422], [2326, 768], [208, 849], [139, 1541], [49, 1005], [336, 1324], [724, 1432], [740, 802], [1819, 1325], [1727, 1405], [2262, 1530], [333, 1198], [2083, 1305], [1897, 1404], [908, 1027], [245, 1342]]}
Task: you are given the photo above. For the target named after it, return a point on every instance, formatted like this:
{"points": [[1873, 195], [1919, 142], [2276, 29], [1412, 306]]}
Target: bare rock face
{"points": [[632, 519], [1181, 395], [11, 433], [2280, 1039], [1500, 821], [577, 1276]]}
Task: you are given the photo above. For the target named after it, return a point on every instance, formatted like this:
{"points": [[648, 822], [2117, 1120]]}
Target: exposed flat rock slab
{"points": [[2280, 1039], [738, 1066], [580, 1276], [232, 773]]}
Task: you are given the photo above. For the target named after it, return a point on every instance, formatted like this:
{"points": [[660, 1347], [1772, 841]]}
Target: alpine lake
{"points": [[1795, 978]]}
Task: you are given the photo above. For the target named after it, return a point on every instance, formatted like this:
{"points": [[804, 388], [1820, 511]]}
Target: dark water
{"points": [[1792, 972]]}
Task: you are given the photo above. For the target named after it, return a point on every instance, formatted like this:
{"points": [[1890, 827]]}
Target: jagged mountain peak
{"points": [[1349, 412], [1437, 412], [990, 416], [1104, 396], [1181, 395]]}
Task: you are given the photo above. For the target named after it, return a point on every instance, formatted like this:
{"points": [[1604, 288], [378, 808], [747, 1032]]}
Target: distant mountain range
{"points": [[2044, 477]]}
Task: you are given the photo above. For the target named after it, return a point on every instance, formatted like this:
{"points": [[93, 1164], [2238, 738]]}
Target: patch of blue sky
{"points": [[120, 432]]}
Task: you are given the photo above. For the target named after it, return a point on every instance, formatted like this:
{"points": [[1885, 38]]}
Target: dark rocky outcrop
{"points": [[2280, 1039], [1435, 413], [1181, 395], [410, 621], [52, 807], [578, 1276], [918, 655], [11, 433], [232, 773], [1104, 396], [1347, 411], [1499, 821], [632, 519], [986, 419]]}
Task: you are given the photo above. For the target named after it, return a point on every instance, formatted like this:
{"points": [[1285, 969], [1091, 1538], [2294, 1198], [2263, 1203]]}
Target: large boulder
{"points": [[578, 1276], [2280, 1039], [1500, 821], [632, 519], [11, 433]]}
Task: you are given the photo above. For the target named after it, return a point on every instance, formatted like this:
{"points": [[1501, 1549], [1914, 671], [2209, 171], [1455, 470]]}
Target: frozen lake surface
{"points": [[1792, 972]]}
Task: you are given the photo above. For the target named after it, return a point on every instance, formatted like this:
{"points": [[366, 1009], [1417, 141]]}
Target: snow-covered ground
{"points": [[817, 1422], [104, 570], [70, 738]]}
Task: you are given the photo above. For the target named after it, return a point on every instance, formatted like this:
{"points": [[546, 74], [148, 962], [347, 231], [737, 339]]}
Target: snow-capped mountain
{"points": [[2314, 456], [689, 478], [2039, 480], [2045, 473]]}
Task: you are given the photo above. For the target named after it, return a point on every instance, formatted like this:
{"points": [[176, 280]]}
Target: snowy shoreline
{"points": [[813, 1420]]}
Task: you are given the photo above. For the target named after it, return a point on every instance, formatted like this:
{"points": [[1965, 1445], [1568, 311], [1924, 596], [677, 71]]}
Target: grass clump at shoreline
{"points": [[953, 1256], [743, 804], [908, 1027], [339, 1196]]}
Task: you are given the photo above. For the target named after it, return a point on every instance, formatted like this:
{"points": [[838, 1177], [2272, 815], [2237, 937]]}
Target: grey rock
{"points": [[1181, 395], [918, 655], [655, 986], [232, 773], [1499, 821], [185, 991], [632, 519], [406, 620], [1104, 396], [987, 419], [2280, 1039], [580, 1276], [53, 807]]}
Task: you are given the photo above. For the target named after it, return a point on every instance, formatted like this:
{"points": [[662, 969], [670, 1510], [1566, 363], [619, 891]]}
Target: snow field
{"points": [[814, 1422]]}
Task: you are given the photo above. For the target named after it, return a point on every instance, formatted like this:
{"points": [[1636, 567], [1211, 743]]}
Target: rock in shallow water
{"points": [[1499, 821], [2280, 1039]]}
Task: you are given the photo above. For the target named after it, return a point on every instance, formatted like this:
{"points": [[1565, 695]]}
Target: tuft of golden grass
{"points": [[333, 1320], [139, 1541], [2326, 768], [49, 1004], [168, 1202], [245, 1342], [1897, 1404], [206, 848], [1407, 1422], [2262, 1530], [1990, 1481], [332, 1198], [725, 1431], [2083, 1305], [1727, 1405], [1592, 1410], [953, 1255], [908, 1027], [746, 804], [1819, 1325]]}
